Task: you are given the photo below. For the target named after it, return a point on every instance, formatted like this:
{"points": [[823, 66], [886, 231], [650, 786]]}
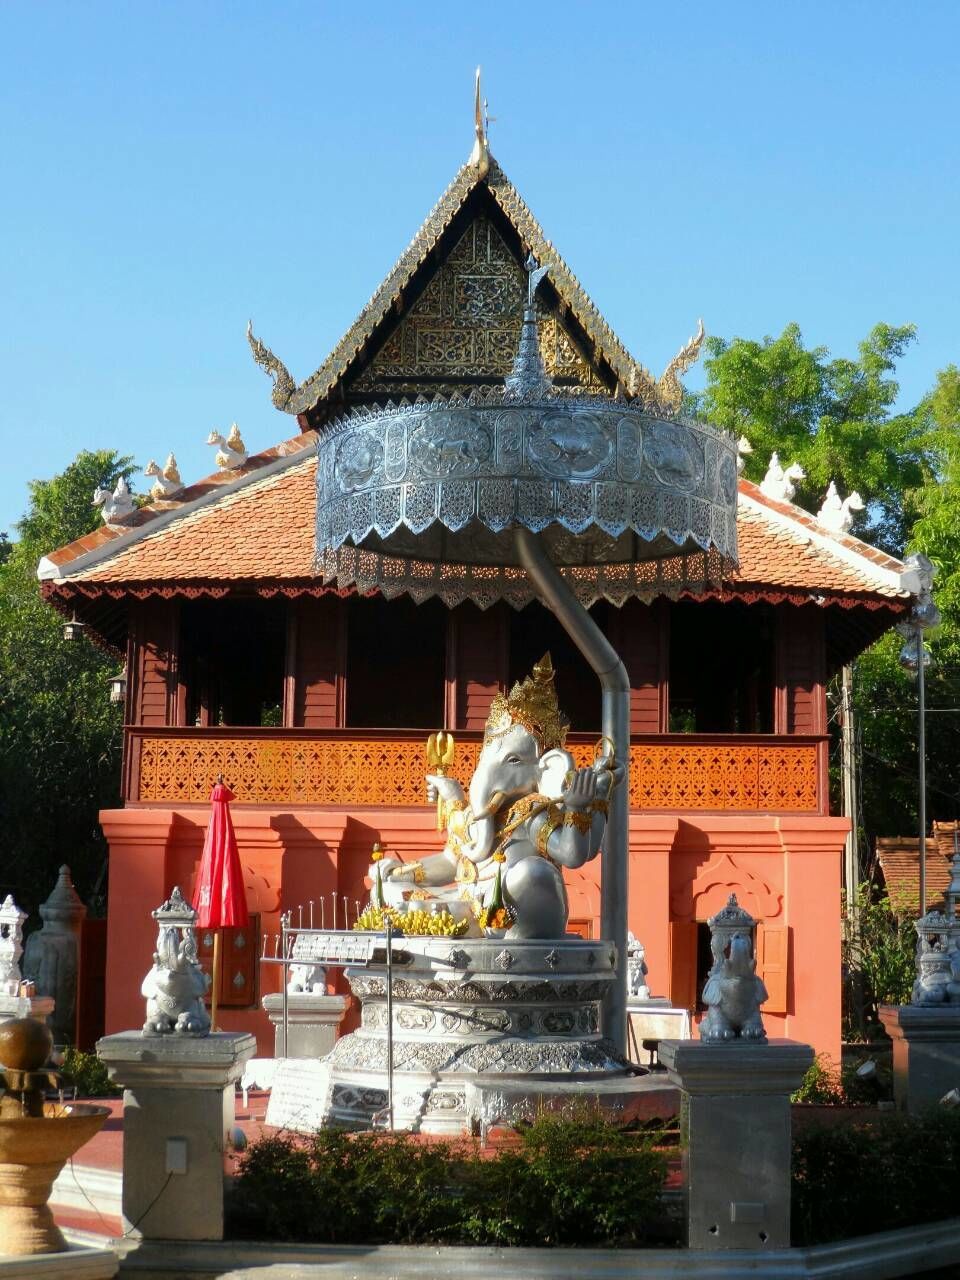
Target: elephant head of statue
{"points": [[522, 754]]}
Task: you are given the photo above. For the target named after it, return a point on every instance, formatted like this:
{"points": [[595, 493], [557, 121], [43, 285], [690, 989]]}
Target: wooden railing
{"points": [[385, 768]]}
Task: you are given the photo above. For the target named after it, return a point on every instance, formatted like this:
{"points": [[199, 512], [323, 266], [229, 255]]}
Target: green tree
{"points": [[59, 734], [833, 416], [837, 417]]}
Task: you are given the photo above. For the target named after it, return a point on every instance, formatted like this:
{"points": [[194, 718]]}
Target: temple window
{"points": [[721, 667], [395, 663], [232, 661]]}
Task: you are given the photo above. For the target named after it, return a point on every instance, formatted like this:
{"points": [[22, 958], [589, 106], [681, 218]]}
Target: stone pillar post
{"points": [[178, 1109], [926, 1052], [52, 957], [312, 1022], [736, 1129]]}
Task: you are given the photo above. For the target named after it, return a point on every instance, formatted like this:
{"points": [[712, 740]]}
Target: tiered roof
{"points": [[446, 317]]}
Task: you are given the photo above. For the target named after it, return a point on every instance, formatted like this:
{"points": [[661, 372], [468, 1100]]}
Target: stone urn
{"points": [[37, 1138]]}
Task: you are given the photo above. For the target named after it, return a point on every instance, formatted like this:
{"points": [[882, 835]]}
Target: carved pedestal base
{"points": [[736, 1125], [926, 1052], [312, 1022], [484, 1031]]}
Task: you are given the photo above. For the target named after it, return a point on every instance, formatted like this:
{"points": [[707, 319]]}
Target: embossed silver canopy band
{"points": [[526, 491]]}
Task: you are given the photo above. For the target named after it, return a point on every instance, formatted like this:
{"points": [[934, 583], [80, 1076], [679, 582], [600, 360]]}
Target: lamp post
{"points": [[915, 657]]}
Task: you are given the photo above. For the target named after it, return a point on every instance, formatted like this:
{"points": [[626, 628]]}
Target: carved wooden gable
{"points": [[465, 326]]}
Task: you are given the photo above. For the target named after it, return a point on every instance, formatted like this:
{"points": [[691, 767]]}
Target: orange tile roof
{"points": [[204, 490], [899, 858], [264, 531], [781, 545]]}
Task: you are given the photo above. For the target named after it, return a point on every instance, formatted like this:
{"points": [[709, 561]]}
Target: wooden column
{"points": [[314, 652], [640, 633], [800, 703], [154, 697]]}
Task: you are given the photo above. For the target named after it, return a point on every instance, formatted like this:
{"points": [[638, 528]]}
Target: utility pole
{"points": [[851, 863]]}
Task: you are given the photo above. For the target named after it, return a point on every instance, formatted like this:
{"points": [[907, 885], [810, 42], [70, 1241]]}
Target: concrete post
{"points": [[926, 1052], [178, 1108], [736, 1130], [312, 1022]]}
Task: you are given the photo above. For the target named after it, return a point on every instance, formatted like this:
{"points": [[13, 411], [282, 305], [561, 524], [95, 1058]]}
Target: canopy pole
{"points": [[615, 686]]}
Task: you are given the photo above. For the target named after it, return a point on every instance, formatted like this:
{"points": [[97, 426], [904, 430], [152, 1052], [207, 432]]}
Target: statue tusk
{"points": [[492, 805]]}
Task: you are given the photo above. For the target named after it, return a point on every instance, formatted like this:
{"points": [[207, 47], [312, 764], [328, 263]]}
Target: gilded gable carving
{"points": [[466, 325]]}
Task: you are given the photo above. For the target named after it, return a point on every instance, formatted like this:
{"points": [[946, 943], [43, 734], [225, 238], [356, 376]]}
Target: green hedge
{"points": [[866, 1176], [579, 1182]]}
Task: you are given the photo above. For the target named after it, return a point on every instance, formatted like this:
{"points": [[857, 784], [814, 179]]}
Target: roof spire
{"points": [[480, 155], [528, 376]]}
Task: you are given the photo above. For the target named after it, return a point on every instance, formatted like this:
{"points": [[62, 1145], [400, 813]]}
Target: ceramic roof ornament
{"points": [[231, 451], [780, 483], [836, 515], [115, 506], [167, 480]]}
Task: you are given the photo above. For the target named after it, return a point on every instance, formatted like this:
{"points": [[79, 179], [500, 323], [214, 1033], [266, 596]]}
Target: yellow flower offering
{"points": [[499, 856]]}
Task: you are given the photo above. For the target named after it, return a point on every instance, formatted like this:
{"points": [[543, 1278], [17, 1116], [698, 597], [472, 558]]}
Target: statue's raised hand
{"points": [[608, 777], [387, 867], [443, 788], [579, 793]]}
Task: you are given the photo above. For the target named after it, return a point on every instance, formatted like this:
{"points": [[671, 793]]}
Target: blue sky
{"points": [[171, 169]]}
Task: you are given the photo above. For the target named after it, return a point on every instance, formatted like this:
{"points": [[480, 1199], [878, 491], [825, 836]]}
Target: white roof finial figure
{"points": [[779, 484], [168, 480], [838, 516], [114, 506], [231, 452]]}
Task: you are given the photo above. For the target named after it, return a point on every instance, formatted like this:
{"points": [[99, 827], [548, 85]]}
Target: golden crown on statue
{"points": [[531, 702]]}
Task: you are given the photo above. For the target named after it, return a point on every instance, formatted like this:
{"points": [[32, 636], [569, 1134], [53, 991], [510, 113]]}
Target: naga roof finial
{"points": [[480, 155], [284, 387], [669, 388]]}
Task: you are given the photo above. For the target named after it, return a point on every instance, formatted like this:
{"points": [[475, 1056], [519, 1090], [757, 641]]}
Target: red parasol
{"points": [[219, 897]]}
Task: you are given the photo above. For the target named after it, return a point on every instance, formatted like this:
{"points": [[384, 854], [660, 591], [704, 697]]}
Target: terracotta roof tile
{"points": [[265, 531], [899, 858], [196, 492]]}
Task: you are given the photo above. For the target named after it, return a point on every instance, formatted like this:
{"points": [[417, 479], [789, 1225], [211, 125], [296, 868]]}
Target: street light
{"points": [[73, 629], [118, 686], [915, 657]]}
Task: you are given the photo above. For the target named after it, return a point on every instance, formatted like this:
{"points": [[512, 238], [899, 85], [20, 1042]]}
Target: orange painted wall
{"points": [[682, 869]]}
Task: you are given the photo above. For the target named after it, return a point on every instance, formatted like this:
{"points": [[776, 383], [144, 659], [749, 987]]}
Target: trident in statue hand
{"points": [[440, 750]]}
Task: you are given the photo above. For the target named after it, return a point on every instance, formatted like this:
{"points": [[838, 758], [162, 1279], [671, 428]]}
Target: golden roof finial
{"points": [[480, 155], [533, 703]]}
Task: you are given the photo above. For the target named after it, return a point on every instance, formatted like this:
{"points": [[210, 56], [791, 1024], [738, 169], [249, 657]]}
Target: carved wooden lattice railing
{"points": [[355, 767]]}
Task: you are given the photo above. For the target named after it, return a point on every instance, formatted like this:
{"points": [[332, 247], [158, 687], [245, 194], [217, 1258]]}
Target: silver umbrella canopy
{"points": [[526, 491]]}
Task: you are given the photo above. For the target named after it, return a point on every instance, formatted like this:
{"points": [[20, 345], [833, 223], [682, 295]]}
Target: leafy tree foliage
{"points": [[833, 416], [59, 734], [837, 418]]}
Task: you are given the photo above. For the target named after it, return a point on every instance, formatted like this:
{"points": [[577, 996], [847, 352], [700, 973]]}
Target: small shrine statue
{"points": [[528, 813], [636, 969], [307, 978], [175, 986], [732, 992], [934, 959], [11, 946]]}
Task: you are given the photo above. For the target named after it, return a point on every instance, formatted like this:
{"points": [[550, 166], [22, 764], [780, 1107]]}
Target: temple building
{"points": [[315, 702]]}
